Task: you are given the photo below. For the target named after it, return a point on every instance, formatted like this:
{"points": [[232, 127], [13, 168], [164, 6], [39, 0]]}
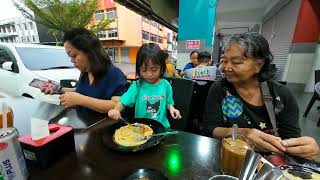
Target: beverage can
{"points": [[12, 162]]}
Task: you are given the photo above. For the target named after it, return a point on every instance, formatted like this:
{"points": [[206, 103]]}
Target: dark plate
{"points": [[151, 174], [153, 141], [299, 171]]}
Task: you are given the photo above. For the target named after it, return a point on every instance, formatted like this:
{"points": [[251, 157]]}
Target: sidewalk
{"points": [[126, 68]]}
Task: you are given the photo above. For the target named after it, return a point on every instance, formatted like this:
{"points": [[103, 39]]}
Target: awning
{"points": [[164, 12]]}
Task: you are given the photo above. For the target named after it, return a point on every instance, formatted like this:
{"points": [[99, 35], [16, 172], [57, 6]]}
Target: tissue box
{"points": [[46, 151]]}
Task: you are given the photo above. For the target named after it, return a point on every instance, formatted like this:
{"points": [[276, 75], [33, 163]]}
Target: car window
{"points": [[4, 57], [44, 58]]}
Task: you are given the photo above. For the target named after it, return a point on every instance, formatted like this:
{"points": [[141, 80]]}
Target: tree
{"points": [[62, 15]]}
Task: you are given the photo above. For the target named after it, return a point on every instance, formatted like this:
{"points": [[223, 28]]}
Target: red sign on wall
{"points": [[193, 44], [109, 4]]}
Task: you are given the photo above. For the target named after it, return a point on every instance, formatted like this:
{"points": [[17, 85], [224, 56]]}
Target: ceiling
{"points": [[243, 10], [228, 11], [164, 12]]}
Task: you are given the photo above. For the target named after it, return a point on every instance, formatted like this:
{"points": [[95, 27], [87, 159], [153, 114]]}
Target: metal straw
{"points": [[234, 132]]}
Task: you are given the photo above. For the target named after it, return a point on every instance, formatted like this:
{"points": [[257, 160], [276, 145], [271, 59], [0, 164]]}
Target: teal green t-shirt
{"points": [[150, 100]]}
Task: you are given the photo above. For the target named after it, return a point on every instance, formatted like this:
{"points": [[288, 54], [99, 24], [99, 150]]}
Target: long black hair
{"points": [[150, 52], [87, 42], [256, 46]]}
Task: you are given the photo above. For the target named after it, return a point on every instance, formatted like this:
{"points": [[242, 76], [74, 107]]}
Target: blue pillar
{"points": [[196, 22]]}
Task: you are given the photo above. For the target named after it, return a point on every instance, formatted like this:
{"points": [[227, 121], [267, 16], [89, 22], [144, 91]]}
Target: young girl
{"points": [[151, 95]]}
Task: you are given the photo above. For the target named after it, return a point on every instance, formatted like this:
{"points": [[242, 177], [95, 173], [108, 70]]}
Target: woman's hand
{"points": [[265, 142], [114, 114], [305, 147], [175, 113], [70, 99]]}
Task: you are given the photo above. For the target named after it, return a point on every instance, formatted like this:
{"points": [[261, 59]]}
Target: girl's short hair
{"points": [[87, 42], [257, 47], [150, 52]]}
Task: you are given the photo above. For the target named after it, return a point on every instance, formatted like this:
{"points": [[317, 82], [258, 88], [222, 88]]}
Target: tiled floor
{"points": [[309, 124]]}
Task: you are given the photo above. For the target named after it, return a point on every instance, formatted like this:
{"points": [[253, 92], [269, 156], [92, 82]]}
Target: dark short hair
{"points": [[204, 56], [164, 55], [194, 52], [87, 42], [256, 46], [150, 52]]}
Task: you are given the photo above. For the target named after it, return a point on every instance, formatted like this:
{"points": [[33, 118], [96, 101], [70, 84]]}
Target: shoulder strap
{"points": [[267, 98]]}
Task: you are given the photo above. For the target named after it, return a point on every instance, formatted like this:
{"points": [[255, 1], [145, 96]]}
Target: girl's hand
{"points": [[174, 113], [70, 99], [114, 114]]}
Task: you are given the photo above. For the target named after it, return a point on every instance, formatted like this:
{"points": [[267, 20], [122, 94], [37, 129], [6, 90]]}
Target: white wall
{"points": [[183, 59], [298, 67]]}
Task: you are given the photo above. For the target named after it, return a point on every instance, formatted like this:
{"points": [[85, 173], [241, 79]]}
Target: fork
{"points": [[132, 124], [140, 138]]}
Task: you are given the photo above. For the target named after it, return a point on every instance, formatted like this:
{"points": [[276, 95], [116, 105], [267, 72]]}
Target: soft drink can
{"points": [[12, 162]]}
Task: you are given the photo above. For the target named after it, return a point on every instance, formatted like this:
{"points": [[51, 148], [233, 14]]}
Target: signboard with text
{"points": [[192, 44]]}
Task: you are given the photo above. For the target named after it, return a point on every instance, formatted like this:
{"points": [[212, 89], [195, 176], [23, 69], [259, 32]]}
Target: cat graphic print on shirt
{"points": [[153, 109]]}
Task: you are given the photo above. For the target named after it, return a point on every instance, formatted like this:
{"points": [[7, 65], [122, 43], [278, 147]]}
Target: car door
{"points": [[8, 78]]}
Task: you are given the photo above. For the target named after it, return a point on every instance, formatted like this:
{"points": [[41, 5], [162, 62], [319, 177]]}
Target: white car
{"points": [[21, 63]]}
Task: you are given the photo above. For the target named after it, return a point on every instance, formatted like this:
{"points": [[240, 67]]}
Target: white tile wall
{"points": [[300, 67], [183, 59]]}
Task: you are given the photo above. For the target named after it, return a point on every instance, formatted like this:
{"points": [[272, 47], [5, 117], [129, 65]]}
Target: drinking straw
{"points": [[234, 131]]}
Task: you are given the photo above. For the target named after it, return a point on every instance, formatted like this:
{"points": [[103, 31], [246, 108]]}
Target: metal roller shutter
{"points": [[267, 29], [282, 34]]}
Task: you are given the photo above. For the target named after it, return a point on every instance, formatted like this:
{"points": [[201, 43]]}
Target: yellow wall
{"points": [[160, 32], [133, 54], [129, 26]]}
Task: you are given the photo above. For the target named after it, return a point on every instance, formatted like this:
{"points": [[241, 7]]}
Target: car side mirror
{"points": [[7, 66]]}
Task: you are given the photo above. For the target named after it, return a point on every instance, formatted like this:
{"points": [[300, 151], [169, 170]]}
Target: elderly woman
{"points": [[239, 99], [100, 81]]}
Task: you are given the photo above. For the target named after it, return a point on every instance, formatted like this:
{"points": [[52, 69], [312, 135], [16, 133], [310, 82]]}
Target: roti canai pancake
{"points": [[129, 135]]}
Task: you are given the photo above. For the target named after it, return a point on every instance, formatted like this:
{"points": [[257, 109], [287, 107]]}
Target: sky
{"points": [[7, 10]]}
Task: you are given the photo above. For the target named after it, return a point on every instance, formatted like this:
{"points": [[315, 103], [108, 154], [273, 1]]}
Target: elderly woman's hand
{"points": [[265, 142], [305, 147], [70, 99]]}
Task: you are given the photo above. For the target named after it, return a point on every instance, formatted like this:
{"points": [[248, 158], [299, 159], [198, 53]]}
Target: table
{"points": [[181, 156]]}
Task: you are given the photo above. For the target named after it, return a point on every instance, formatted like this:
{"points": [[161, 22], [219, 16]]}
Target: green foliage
{"points": [[62, 15]]}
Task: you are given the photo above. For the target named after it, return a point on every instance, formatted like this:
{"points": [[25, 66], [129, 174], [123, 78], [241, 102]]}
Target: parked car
{"points": [[21, 63]]}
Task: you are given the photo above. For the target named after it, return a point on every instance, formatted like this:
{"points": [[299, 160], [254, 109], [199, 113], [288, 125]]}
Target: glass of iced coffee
{"points": [[233, 153]]}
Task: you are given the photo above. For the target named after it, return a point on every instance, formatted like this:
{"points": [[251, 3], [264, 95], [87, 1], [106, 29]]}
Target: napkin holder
{"points": [[46, 151]]}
